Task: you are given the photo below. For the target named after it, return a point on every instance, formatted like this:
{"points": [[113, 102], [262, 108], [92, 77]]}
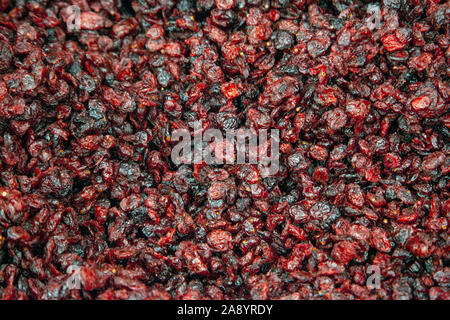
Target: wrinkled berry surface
{"points": [[88, 101]]}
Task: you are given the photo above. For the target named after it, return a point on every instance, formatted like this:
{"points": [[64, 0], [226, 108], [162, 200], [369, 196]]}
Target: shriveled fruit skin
{"points": [[94, 206]]}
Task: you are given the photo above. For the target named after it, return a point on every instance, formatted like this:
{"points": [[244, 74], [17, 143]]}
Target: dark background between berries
{"points": [[86, 176]]}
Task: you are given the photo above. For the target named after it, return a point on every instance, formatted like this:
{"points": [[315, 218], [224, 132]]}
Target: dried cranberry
{"points": [[91, 92]]}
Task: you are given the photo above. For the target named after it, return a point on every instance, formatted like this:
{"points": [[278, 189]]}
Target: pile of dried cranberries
{"points": [[90, 92]]}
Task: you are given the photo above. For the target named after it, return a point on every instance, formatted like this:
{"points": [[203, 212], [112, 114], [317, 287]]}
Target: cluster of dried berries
{"points": [[89, 98]]}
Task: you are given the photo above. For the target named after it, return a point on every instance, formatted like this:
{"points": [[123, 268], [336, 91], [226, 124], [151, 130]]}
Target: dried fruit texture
{"points": [[89, 99]]}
